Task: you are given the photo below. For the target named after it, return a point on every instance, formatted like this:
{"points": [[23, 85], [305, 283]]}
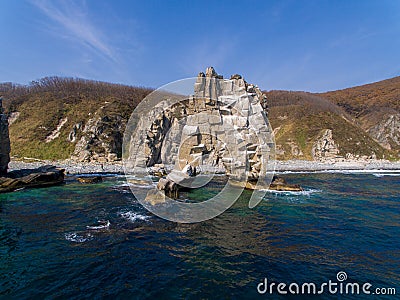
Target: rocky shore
{"points": [[348, 165], [72, 167]]}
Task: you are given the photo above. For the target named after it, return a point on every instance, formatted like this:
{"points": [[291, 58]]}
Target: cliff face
{"points": [[223, 123], [4, 141], [100, 138], [325, 148], [387, 131]]}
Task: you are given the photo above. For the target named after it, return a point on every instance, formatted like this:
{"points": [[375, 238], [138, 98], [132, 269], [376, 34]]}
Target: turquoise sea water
{"points": [[342, 222]]}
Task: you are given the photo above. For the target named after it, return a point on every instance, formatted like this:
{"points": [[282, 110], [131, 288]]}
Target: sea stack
{"points": [[222, 125], [4, 141]]}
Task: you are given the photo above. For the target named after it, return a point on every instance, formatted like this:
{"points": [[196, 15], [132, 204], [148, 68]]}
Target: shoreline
{"points": [[290, 166], [353, 165]]}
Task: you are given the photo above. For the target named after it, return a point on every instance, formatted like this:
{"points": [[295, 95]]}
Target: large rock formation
{"points": [[219, 125], [4, 141]]}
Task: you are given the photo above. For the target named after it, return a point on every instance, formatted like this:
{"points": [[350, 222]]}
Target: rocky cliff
{"points": [[325, 148], [4, 141], [223, 123], [387, 131], [100, 138]]}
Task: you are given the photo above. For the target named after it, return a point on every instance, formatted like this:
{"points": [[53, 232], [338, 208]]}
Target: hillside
{"points": [[375, 107], [310, 127], [58, 118]]}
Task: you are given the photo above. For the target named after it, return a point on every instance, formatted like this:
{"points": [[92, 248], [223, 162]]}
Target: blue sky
{"points": [[292, 45]]}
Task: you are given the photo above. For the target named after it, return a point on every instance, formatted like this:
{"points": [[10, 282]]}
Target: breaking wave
{"points": [[302, 193], [385, 174], [99, 225], [78, 238], [133, 216]]}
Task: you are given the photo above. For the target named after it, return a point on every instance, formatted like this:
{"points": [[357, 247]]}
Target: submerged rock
{"points": [[155, 197], [91, 179], [277, 184], [28, 178]]}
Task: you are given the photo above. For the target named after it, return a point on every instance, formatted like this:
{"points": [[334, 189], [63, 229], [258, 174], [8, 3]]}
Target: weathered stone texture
{"points": [[4, 141], [218, 125], [325, 147]]}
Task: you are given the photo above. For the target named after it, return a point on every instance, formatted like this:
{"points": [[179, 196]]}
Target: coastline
{"points": [[72, 167], [349, 165]]}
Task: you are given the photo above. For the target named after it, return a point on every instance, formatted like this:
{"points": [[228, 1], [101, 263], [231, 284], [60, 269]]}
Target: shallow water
{"points": [[342, 222]]}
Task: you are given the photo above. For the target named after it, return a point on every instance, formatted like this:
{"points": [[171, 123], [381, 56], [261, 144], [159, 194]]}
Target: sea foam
{"points": [[299, 193], [133, 216], [78, 238]]}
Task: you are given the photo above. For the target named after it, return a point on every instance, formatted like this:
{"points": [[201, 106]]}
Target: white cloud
{"points": [[74, 19]]}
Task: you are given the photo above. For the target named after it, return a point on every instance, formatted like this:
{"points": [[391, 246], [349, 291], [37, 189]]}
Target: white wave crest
{"points": [[78, 238], [354, 171], [133, 217], [100, 225], [385, 174], [303, 193], [123, 187]]}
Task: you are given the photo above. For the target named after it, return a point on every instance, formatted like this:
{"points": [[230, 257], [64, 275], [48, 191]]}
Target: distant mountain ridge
{"points": [[59, 118]]}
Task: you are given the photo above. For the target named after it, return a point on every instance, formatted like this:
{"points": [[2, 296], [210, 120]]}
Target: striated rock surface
{"points": [[4, 141], [387, 131]]}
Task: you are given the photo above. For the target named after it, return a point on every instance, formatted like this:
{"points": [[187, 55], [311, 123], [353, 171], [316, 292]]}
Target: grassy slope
{"points": [[300, 118], [44, 103], [370, 104]]}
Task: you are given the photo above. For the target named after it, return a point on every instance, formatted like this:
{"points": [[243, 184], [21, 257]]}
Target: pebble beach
{"points": [[72, 167]]}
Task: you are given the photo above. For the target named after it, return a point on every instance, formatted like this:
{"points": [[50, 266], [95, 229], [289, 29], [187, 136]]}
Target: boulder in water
{"points": [[27, 178], [91, 179], [280, 184], [170, 188]]}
